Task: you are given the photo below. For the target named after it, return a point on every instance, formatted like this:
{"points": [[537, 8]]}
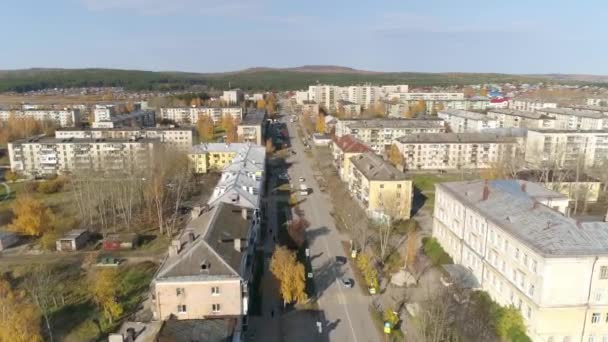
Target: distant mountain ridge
{"points": [[258, 78]]}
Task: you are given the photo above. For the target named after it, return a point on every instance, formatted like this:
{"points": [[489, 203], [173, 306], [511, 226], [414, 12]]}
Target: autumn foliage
{"points": [[104, 288], [291, 275], [31, 216], [18, 128], [229, 126], [204, 126], [19, 318]]}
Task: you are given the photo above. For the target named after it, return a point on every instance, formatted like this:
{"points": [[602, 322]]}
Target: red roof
{"points": [[499, 100], [350, 144]]}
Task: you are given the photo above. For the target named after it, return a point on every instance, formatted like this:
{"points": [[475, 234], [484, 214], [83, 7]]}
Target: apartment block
{"points": [[365, 95], [349, 109], [380, 133], [63, 118], [252, 128], [233, 97], [566, 148], [310, 108], [381, 189], [507, 118], [454, 151], [462, 121], [43, 156], [209, 267], [179, 138], [103, 112], [434, 104], [191, 115], [301, 96], [597, 109], [405, 96], [213, 157], [514, 240], [566, 118], [324, 95], [139, 118], [597, 101], [343, 148], [530, 105]]}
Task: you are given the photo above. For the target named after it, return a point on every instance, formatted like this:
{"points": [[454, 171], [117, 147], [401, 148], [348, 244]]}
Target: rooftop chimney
{"points": [[486, 191], [237, 245]]}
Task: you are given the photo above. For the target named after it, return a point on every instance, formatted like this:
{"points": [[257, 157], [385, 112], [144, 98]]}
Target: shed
{"points": [[74, 240], [7, 239], [120, 241]]}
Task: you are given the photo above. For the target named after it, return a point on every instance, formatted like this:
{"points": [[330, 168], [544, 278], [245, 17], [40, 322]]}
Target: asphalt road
{"points": [[345, 309]]}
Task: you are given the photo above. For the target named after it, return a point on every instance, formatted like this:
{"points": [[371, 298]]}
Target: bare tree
{"points": [[40, 285]]}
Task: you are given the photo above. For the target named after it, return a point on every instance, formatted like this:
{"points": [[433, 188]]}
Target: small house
{"points": [[120, 241], [74, 240], [7, 239]]}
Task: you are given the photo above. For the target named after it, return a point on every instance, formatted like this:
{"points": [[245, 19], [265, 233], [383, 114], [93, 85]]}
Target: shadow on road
{"points": [[312, 234], [325, 275]]}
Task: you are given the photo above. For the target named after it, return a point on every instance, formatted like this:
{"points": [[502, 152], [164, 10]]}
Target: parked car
{"points": [[302, 179], [347, 282], [340, 260]]}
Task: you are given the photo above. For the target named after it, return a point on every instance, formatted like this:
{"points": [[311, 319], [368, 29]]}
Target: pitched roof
{"points": [[349, 144], [373, 167], [512, 207], [520, 113], [214, 234]]}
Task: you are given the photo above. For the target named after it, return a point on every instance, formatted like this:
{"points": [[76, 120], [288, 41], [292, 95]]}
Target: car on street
{"points": [[347, 282], [340, 260], [293, 152], [302, 180]]}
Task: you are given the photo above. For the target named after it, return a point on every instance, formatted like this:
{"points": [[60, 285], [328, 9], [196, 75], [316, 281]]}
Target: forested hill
{"points": [[250, 79]]}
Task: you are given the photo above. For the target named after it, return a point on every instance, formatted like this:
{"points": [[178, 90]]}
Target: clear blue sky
{"points": [[534, 36]]}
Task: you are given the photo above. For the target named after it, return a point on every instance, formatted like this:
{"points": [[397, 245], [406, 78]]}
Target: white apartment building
{"points": [[454, 151], [104, 112], [324, 95], [395, 88], [597, 109], [63, 118], [301, 96], [139, 118], [576, 119], [597, 101], [42, 156], [364, 95], [513, 238], [435, 103], [180, 138], [521, 119], [566, 148], [530, 105], [233, 97], [349, 109], [461, 121], [379, 134], [405, 96], [191, 115]]}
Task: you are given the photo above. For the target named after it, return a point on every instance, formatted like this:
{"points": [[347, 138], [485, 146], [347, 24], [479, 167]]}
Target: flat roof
{"points": [[462, 138], [254, 117], [520, 113], [375, 168], [53, 140], [396, 123], [572, 112], [465, 114], [569, 131], [119, 129], [513, 207]]}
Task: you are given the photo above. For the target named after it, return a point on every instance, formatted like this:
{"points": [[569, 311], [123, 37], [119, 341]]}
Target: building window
{"points": [[381, 186], [181, 309], [604, 272], [180, 291], [517, 253], [531, 290], [528, 312], [534, 266], [215, 290], [215, 308], [595, 317]]}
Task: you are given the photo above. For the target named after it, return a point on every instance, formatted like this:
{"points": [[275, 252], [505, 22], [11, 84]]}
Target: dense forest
{"points": [[267, 79]]}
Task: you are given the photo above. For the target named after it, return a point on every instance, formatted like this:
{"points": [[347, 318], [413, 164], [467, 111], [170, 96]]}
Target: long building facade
{"points": [[63, 118], [566, 148], [524, 252], [191, 115]]}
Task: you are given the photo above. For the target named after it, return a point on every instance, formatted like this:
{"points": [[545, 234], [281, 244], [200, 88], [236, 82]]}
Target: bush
{"points": [[435, 252], [50, 186], [10, 176]]}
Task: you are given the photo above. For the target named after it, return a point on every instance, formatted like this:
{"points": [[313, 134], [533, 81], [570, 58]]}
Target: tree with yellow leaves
{"points": [[204, 126], [408, 113], [31, 216], [19, 318], [419, 108], [291, 275], [395, 156], [260, 104], [104, 288], [229, 126], [483, 91], [370, 274], [320, 127]]}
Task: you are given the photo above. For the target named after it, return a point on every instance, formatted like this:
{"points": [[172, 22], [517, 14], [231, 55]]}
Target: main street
{"points": [[345, 310]]}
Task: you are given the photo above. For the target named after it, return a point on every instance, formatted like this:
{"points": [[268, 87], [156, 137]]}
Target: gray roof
{"points": [[464, 114], [214, 234], [203, 330], [396, 123], [373, 167], [253, 118], [591, 108], [546, 231], [520, 113], [572, 112], [53, 140], [454, 138], [569, 131]]}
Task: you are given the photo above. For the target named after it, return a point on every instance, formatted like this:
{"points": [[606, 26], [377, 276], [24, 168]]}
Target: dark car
{"points": [[347, 282], [340, 260]]}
